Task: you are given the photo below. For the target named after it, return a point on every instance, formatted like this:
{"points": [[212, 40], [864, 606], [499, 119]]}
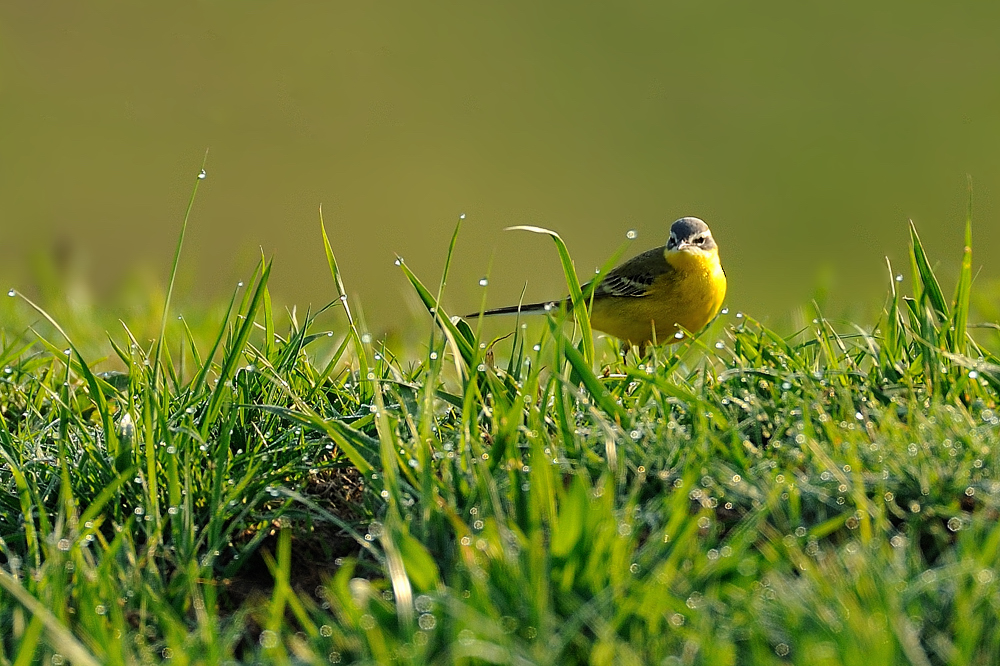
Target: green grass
{"points": [[240, 493]]}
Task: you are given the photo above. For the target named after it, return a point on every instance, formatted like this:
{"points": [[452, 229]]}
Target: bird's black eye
{"points": [[700, 240]]}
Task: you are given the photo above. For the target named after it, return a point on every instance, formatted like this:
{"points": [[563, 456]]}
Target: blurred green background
{"points": [[806, 134]]}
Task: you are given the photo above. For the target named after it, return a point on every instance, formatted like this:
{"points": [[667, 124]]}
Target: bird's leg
{"points": [[640, 351]]}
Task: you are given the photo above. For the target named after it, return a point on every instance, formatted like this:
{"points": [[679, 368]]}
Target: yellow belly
{"points": [[685, 299]]}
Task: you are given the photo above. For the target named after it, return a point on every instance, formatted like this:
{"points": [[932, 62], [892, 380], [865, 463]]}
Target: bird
{"points": [[657, 296]]}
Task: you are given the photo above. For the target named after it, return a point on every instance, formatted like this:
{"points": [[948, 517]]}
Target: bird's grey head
{"points": [[690, 233]]}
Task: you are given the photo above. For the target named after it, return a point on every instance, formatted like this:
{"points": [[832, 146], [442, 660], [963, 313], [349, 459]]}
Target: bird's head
{"points": [[691, 235]]}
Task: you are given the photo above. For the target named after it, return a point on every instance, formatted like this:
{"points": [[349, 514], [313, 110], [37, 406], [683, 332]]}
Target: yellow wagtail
{"points": [[658, 294]]}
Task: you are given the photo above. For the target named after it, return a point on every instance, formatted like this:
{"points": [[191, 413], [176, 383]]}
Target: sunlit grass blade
{"points": [[360, 350], [201, 378], [97, 394], [963, 290], [268, 320], [456, 337], [447, 265], [61, 635], [235, 352], [173, 270], [892, 331], [580, 307], [926, 280], [584, 370]]}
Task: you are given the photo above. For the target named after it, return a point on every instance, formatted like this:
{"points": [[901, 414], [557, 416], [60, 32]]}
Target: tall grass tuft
{"points": [[265, 491]]}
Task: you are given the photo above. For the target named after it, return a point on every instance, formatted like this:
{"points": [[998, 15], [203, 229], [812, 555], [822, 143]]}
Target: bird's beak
{"points": [[684, 245]]}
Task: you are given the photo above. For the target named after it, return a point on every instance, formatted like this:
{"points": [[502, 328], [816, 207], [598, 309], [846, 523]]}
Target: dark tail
{"points": [[527, 308]]}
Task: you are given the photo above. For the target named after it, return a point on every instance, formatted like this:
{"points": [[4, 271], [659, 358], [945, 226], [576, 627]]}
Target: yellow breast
{"points": [[686, 298]]}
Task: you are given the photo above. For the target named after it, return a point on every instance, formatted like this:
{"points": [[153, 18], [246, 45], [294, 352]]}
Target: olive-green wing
{"points": [[634, 278]]}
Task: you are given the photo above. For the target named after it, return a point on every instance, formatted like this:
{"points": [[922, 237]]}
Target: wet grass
{"points": [[267, 491]]}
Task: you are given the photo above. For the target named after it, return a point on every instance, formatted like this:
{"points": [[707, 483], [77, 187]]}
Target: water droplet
{"points": [[462, 216], [483, 282], [12, 293], [63, 545], [268, 639], [434, 356], [399, 261], [202, 175], [240, 283], [973, 374], [537, 348], [631, 234], [329, 334], [719, 345], [739, 315], [678, 335], [549, 306], [366, 338], [725, 310], [899, 277]]}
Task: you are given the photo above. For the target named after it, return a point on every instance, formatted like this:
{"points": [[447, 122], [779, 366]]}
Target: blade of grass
{"points": [[96, 392], [580, 311], [59, 634], [963, 290], [235, 352], [928, 281], [360, 351], [600, 394], [173, 270], [201, 378], [462, 345]]}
